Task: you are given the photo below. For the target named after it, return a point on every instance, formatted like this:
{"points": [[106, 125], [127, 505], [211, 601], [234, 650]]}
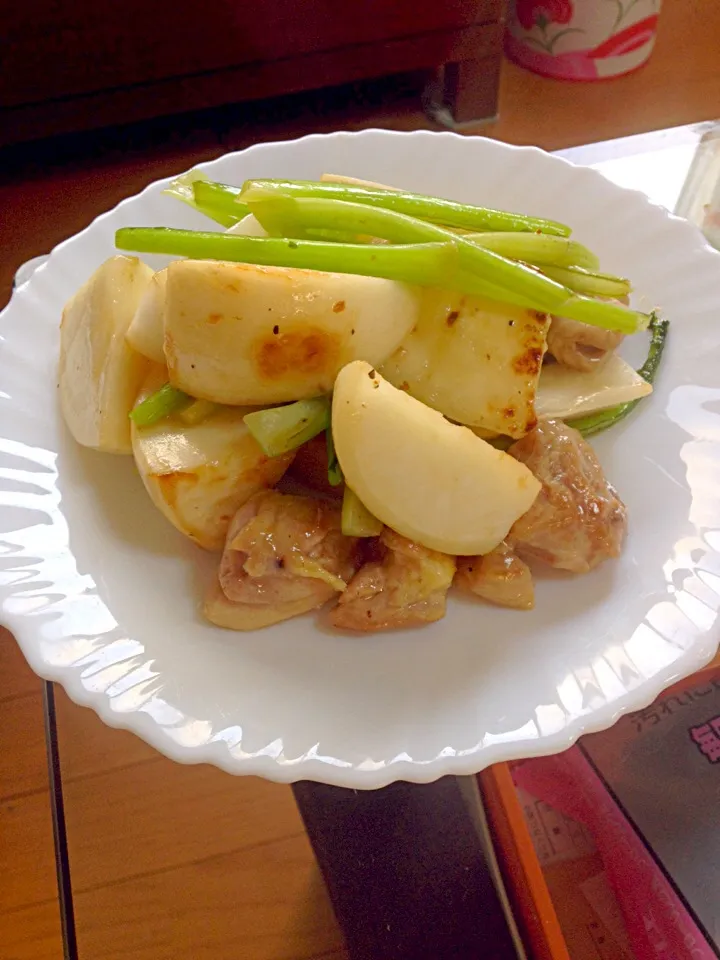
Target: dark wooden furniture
{"points": [[83, 65]]}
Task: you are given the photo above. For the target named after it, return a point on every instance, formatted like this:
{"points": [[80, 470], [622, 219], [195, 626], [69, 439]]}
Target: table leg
{"points": [[62, 860], [406, 870], [465, 93]]}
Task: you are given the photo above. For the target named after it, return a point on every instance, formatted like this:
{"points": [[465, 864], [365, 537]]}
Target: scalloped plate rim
{"points": [[382, 772]]}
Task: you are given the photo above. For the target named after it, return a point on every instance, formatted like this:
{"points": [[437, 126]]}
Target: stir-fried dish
{"points": [[359, 398]]}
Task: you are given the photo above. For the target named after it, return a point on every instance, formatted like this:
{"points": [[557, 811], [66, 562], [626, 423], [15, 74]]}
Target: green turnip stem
{"points": [[586, 282], [335, 474], [425, 264], [198, 411], [598, 313], [432, 209], [604, 313], [281, 429], [596, 422], [537, 248], [183, 188], [158, 405], [356, 520], [219, 200], [222, 200], [284, 215]]}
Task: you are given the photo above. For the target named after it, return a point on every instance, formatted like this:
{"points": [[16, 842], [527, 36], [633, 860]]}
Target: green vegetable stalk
{"points": [[183, 188], [285, 215], [424, 263], [481, 272], [356, 519], [585, 281], [219, 200], [604, 313], [198, 411], [595, 422], [335, 474], [223, 200], [281, 429], [537, 248], [598, 313], [158, 405], [445, 212]]}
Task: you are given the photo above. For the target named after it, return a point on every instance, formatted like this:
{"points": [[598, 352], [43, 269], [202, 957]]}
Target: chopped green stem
{"points": [[592, 284], [158, 405], [198, 411], [335, 474], [223, 199], [281, 429], [337, 236], [595, 422], [598, 313], [220, 199], [604, 313], [445, 212], [183, 188], [482, 272], [356, 520], [537, 248], [285, 215], [425, 263], [659, 328], [430, 263]]}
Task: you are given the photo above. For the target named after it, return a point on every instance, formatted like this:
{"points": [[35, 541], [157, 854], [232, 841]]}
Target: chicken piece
{"points": [[248, 616], [577, 520], [284, 554], [580, 345], [499, 577], [402, 585]]}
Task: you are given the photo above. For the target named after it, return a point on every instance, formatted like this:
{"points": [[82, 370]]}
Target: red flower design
{"points": [[628, 39], [542, 12]]}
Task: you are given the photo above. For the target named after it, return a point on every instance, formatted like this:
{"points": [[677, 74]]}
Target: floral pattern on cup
{"points": [[581, 39], [532, 13]]}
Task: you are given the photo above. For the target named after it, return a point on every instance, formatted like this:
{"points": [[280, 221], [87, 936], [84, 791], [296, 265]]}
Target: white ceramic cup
{"points": [[581, 39]]}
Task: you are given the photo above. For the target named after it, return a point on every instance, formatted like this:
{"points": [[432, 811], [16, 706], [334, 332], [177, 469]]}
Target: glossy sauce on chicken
{"points": [[500, 577], [404, 585], [285, 554], [577, 520]]}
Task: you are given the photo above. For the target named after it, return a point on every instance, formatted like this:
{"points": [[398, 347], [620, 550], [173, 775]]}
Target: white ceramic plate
{"points": [[102, 594]]}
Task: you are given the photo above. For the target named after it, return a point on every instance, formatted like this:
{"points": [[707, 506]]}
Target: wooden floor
{"points": [[186, 862]]}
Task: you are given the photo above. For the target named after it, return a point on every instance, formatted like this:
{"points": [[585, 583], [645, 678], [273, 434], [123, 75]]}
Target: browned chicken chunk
{"points": [[580, 345], [499, 577], [577, 520], [406, 584], [284, 555]]}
